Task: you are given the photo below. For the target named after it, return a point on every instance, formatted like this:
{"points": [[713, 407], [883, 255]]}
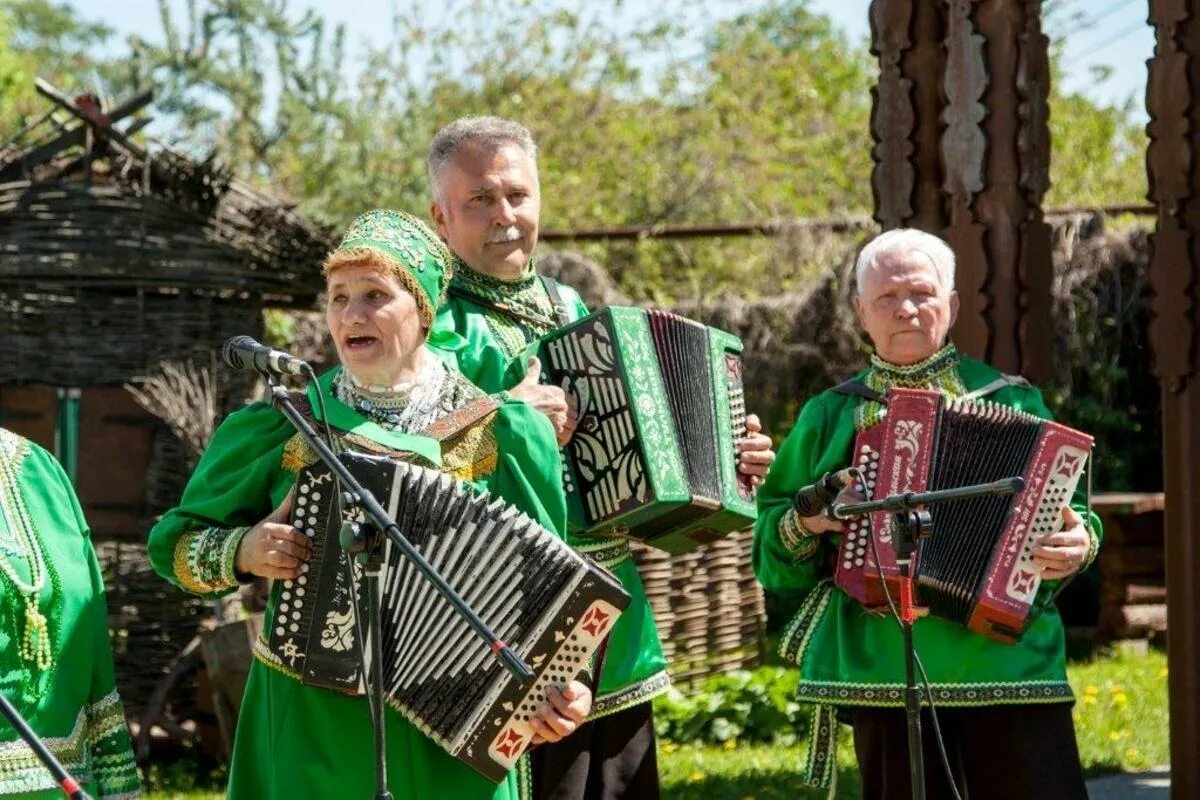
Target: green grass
{"points": [[1120, 721], [758, 772], [1121, 711]]}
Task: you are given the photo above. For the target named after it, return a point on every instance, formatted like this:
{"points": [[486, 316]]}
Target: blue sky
{"points": [[1110, 34]]}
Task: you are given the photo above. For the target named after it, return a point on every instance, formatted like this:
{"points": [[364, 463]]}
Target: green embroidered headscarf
{"points": [[404, 246]]}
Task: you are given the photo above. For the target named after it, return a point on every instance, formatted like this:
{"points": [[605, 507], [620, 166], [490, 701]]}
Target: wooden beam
{"points": [[1173, 169]]}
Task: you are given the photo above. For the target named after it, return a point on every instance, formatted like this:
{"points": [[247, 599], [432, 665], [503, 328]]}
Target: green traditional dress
{"points": [[300, 741], [55, 660], [849, 657], [492, 322]]}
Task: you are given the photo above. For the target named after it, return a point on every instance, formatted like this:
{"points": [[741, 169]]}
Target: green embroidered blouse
{"points": [[486, 342], [55, 659], [299, 741]]}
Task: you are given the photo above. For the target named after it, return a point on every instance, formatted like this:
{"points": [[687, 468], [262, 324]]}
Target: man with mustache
{"points": [[487, 205]]}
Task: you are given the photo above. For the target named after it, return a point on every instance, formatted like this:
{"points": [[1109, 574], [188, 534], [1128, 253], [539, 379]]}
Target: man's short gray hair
{"points": [[902, 241], [488, 132]]}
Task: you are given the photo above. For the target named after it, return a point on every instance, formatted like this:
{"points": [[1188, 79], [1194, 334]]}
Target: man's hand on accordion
{"points": [[273, 548], [755, 454], [1061, 554], [552, 401], [565, 708]]}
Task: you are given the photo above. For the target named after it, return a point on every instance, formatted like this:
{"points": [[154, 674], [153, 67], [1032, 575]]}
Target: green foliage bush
{"points": [[743, 706]]}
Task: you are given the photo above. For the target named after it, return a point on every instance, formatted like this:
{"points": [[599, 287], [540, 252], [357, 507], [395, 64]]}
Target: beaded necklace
{"points": [[35, 643], [408, 407]]}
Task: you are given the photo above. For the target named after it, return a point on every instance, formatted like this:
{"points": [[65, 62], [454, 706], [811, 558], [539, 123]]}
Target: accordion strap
{"points": [[1003, 382], [560, 308], [450, 425], [857, 388]]}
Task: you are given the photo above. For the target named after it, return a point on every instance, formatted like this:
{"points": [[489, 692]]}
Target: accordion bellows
{"points": [[552, 606], [977, 567], [661, 409]]}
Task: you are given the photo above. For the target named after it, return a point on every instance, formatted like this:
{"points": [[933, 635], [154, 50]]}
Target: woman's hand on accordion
{"points": [[273, 548], [755, 454], [1061, 554], [564, 709]]}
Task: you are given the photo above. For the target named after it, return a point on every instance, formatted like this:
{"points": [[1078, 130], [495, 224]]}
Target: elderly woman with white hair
{"points": [[1004, 710]]}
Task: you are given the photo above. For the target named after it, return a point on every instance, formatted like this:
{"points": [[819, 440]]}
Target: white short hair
{"points": [[902, 241], [488, 132]]}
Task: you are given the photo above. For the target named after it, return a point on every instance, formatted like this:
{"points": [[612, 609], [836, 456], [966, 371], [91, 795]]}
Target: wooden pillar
{"points": [[961, 134], [1173, 171]]}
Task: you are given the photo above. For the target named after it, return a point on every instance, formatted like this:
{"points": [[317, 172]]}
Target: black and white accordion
{"points": [[551, 605], [661, 408], [977, 569]]}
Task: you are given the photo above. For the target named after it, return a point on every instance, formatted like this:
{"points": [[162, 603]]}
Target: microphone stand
{"points": [[910, 525], [366, 542], [69, 785]]}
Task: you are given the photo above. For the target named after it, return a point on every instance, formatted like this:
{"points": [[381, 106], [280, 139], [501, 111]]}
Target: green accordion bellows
{"points": [[661, 408]]}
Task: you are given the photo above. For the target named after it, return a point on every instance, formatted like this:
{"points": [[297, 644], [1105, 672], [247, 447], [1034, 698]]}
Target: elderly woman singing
{"points": [[383, 284]]}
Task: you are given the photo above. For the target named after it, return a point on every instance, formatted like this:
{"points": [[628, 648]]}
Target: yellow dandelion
{"points": [[730, 744], [670, 747], [696, 776], [1162, 673], [1090, 690], [1087, 700], [1119, 698]]}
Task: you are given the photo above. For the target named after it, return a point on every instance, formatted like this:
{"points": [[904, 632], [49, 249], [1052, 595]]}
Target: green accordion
{"points": [[661, 409]]}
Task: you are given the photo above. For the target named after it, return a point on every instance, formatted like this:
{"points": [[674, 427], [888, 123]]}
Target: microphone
{"points": [[816, 498], [243, 353]]}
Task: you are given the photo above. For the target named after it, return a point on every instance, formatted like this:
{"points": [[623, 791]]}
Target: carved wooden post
{"points": [[1172, 167], [962, 150]]}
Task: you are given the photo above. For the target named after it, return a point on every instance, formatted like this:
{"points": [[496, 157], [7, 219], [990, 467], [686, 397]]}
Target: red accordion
{"points": [[977, 568]]}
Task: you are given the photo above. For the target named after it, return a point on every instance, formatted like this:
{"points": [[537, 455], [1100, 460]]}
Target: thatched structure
{"points": [[115, 258]]}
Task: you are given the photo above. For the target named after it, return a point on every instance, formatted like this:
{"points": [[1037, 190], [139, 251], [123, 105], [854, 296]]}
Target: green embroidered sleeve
{"points": [[237, 483], [786, 557]]}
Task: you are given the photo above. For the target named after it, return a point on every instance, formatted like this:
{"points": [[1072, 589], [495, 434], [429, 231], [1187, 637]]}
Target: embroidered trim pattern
{"points": [[939, 371], [797, 539], [204, 560], [473, 453], [630, 696], [526, 295], [608, 553], [819, 766], [97, 749]]}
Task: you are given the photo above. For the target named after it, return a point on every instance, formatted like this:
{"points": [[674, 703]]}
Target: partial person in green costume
{"points": [[1005, 710], [55, 661], [487, 207], [390, 396]]}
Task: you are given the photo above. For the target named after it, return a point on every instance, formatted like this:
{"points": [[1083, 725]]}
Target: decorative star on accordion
{"points": [[595, 622], [509, 743], [1067, 464]]}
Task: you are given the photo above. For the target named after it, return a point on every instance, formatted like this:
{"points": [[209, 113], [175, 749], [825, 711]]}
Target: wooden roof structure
{"points": [[123, 256]]}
